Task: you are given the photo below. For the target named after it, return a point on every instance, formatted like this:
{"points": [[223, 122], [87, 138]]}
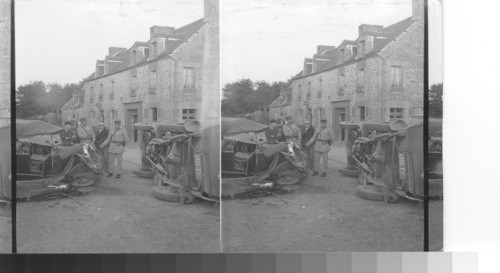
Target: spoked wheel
{"points": [[84, 179]]}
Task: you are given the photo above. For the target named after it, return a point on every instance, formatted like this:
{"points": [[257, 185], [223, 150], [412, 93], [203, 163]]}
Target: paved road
{"points": [[323, 215], [5, 228], [118, 216]]}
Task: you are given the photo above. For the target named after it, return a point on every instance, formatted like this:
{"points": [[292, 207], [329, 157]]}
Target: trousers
{"points": [[119, 161], [310, 153], [317, 157]]}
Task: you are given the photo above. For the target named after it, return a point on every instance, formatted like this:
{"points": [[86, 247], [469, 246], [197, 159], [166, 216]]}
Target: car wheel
{"points": [[288, 179], [186, 197], [370, 192], [166, 194], [84, 180], [350, 172], [143, 174]]}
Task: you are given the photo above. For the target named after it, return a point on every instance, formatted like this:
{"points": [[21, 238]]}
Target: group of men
{"points": [[110, 144], [316, 142]]}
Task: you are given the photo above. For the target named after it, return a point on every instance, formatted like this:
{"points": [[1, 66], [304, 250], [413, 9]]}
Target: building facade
{"points": [[74, 108], [158, 80], [376, 77], [281, 106], [5, 52]]}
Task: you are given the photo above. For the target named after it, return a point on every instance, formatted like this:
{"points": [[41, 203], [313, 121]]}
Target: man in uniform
{"points": [[85, 132], [101, 136], [69, 136], [117, 140], [323, 137], [274, 134], [291, 130], [307, 140]]}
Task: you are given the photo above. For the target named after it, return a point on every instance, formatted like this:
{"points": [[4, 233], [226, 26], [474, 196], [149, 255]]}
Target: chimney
{"points": [[370, 29], [322, 49], [417, 9], [112, 51], [155, 31]]}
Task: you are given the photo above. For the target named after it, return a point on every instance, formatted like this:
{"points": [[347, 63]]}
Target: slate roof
{"points": [[284, 99], [182, 34], [390, 33]]}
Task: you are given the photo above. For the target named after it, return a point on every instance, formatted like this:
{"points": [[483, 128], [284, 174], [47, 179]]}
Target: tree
{"points": [[234, 95], [436, 101]]}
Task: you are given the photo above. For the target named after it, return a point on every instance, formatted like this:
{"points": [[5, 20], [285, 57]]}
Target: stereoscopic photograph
{"points": [[5, 130], [322, 126], [117, 126]]}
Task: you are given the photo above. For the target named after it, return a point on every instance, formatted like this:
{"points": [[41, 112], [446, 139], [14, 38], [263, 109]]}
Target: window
{"points": [[113, 114], [92, 94], [397, 76], [152, 82], [320, 88], [188, 114], [396, 113], [308, 90], [101, 91], [321, 113], [133, 90], [355, 51], [300, 113], [361, 77], [299, 92], [188, 78], [101, 115], [112, 91], [361, 112], [146, 52], [154, 114]]}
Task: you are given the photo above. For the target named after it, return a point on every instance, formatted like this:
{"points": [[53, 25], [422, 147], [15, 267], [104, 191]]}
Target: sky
{"points": [[269, 39], [60, 40]]}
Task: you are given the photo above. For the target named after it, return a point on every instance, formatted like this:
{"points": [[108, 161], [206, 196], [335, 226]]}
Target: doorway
{"points": [[340, 113], [132, 118]]}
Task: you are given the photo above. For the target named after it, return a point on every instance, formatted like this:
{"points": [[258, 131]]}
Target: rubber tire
{"points": [[362, 192], [283, 181], [85, 181], [350, 172], [143, 174], [186, 198], [165, 194]]}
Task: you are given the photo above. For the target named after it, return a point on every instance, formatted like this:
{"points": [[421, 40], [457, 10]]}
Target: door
{"points": [[340, 113], [132, 118]]}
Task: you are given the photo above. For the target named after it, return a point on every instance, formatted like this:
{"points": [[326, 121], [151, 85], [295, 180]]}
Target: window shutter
{"points": [[158, 114]]}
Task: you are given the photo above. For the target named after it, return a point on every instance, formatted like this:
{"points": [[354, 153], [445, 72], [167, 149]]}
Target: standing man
{"points": [[291, 130], [85, 132], [117, 140], [101, 136], [307, 140], [274, 134], [69, 136], [324, 138]]}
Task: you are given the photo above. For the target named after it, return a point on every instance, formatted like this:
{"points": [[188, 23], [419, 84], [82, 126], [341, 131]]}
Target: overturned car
{"points": [[249, 165], [183, 160], [47, 168]]}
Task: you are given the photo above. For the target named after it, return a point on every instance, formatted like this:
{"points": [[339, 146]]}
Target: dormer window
{"points": [[146, 52], [134, 56], [342, 55], [362, 49], [153, 50]]}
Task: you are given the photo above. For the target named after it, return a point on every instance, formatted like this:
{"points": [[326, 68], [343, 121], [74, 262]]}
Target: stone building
{"points": [[375, 77], [161, 80], [5, 52], [74, 108], [281, 106]]}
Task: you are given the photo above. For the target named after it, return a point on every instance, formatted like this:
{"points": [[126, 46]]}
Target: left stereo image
{"points": [[117, 127]]}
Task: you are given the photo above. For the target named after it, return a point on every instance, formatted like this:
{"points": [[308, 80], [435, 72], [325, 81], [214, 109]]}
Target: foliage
{"points": [[436, 101], [38, 99], [245, 96]]}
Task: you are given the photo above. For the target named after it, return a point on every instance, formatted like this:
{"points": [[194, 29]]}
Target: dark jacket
{"points": [[307, 135], [69, 137], [274, 135], [101, 137]]}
